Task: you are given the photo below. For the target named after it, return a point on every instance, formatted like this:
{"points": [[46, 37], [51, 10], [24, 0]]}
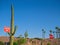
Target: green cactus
{"points": [[12, 28]]}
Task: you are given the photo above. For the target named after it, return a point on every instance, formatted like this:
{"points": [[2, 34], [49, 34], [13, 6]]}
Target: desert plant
{"points": [[15, 43], [21, 41], [12, 28], [1, 43], [48, 43]]}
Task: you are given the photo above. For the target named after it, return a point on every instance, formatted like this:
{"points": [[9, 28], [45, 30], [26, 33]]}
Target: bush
{"points": [[15, 43], [48, 44], [1, 43], [21, 41]]}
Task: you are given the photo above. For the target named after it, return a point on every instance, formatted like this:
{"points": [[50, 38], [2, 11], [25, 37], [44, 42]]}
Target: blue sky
{"points": [[30, 15]]}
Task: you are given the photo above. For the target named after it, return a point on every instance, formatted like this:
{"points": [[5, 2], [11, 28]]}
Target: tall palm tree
{"points": [[58, 32], [43, 36], [50, 31], [54, 33], [43, 33]]}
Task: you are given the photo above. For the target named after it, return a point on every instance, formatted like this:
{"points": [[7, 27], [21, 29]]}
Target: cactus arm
{"points": [[9, 34], [15, 28]]}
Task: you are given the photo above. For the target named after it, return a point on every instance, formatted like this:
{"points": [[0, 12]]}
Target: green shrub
{"points": [[1, 43], [48, 43], [15, 43], [21, 41]]}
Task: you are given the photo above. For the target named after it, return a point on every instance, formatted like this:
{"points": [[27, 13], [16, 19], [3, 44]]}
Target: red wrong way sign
{"points": [[6, 29]]}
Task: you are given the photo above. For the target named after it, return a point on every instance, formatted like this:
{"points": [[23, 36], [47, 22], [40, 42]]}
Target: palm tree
{"points": [[54, 33], [43, 36], [58, 32], [43, 33], [50, 31]]}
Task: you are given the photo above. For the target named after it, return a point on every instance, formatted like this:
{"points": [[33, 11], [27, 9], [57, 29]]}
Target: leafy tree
{"points": [[26, 34]]}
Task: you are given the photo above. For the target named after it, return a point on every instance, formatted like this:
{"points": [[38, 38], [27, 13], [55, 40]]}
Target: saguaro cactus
{"points": [[12, 28]]}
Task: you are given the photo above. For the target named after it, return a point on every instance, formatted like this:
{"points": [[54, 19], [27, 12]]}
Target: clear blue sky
{"points": [[30, 15]]}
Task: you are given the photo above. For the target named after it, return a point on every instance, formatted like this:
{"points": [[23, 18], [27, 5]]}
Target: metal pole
{"points": [[6, 39]]}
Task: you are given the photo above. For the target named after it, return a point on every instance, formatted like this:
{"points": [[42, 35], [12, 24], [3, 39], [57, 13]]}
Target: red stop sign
{"points": [[6, 29], [51, 36]]}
